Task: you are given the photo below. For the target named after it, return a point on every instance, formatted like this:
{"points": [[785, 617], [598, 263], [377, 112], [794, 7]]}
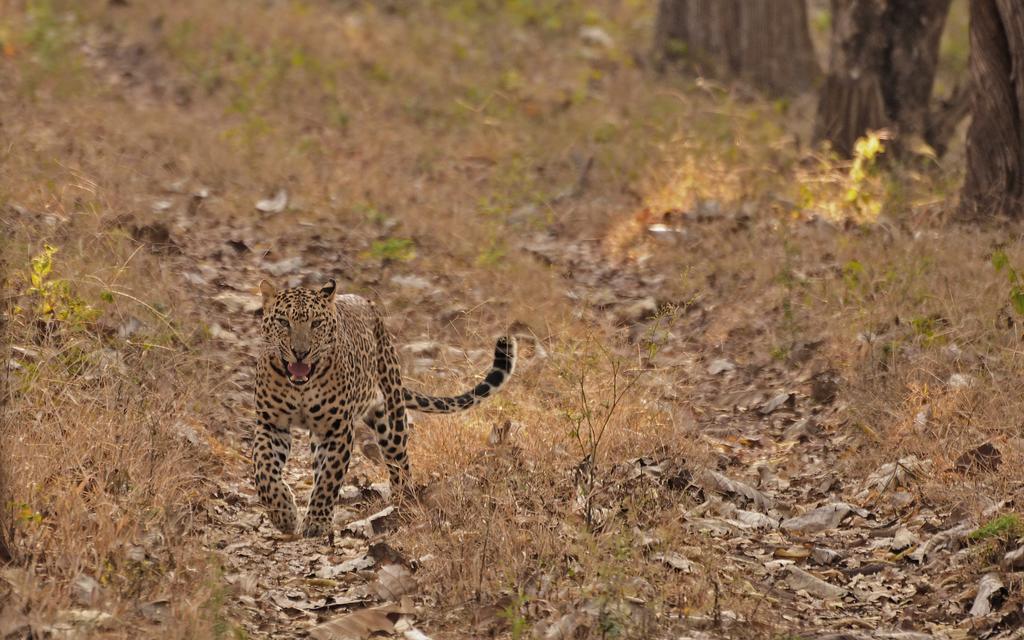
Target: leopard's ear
{"points": [[268, 292], [327, 291]]}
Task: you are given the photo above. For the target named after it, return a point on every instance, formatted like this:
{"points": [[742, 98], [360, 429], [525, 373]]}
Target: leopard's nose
{"points": [[300, 356]]}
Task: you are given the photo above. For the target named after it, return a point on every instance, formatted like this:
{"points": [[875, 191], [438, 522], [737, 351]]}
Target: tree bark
{"points": [[994, 183], [765, 42], [881, 70]]}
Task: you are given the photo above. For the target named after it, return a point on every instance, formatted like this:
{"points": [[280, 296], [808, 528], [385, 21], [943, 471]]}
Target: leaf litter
{"points": [[832, 554]]}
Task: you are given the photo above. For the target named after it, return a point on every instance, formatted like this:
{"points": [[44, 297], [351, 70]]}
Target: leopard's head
{"points": [[298, 327]]}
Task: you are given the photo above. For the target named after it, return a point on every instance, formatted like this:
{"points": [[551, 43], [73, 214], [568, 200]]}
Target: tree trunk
{"points": [[766, 42], [995, 141], [881, 70]]}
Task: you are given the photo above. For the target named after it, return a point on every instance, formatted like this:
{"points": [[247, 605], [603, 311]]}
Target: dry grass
{"points": [[463, 157], [104, 489]]}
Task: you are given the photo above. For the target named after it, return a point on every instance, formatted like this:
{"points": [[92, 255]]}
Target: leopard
{"points": [[328, 363]]}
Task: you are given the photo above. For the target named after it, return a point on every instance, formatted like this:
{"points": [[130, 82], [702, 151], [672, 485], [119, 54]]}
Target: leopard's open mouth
{"points": [[299, 372]]}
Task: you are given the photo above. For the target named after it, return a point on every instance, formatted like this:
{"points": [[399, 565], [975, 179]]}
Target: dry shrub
{"points": [[102, 486], [552, 523]]}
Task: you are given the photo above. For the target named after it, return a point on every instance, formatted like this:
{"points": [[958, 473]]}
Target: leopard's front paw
{"points": [[316, 527]]}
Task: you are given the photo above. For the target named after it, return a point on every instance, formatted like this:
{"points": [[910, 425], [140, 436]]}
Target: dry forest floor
{"points": [[748, 405]]}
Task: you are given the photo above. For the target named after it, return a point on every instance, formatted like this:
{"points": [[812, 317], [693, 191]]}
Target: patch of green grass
{"points": [[44, 43], [1005, 526], [393, 249]]}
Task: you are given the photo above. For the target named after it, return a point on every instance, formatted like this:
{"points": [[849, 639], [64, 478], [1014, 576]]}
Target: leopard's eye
{"points": [[316, 323], [281, 320]]}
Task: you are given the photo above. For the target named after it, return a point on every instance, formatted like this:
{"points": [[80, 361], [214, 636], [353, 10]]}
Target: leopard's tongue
{"points": [[299, 370]]}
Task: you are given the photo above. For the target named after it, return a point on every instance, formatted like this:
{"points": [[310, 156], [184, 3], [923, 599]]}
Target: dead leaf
{"points": [[801, 431], [720, 365], [822, 518], [991, 592], [676, 561], [792, 553], [394, 581], [361, 624], [800, 580], [86, 617], [894, 475], [984, 458], [331, 571], [714, 481], [776, 402], [373, 525], [940, 541], [502, 433]]}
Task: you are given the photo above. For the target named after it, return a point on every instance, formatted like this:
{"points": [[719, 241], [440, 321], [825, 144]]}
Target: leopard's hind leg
{"points": [[391, 429]]}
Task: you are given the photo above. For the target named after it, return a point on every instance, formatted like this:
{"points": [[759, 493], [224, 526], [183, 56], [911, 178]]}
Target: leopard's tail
{"points": [[501, 371]]}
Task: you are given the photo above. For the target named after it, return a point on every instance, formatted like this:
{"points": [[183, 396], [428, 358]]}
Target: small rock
{"points": [[129, 328], [903, 540], [156, 610], [639, 311], [157, 237], [959, 381], [720, 365], [1014, 560], [194, 278], [283, 267], [187, 433], [427, 349], [87, 591], [375, 524], [236, 301], [218, 332], [411, 282], [596, 37], [276, 204], [239, 246], [824, 556]]}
